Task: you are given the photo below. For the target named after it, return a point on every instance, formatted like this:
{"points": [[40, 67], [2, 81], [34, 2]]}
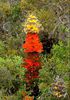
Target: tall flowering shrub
{"points": [[32, 47]]}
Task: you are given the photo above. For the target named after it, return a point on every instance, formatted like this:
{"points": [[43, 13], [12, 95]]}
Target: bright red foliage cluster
{"points": [[32, 47], [32, 64], [32, 43]]}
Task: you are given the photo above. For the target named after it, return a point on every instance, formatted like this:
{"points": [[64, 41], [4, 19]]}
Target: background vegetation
{"points": [[54, 17]]}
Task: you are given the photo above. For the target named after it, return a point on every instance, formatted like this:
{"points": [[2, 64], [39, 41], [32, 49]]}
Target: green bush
{"points": [[56, 63]]}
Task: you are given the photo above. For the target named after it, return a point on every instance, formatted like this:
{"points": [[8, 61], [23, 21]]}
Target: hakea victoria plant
{"points": [[32, 47]]}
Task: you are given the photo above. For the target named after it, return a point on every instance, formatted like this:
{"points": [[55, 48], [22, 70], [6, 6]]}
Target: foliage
{"points": [[55, 64], [5, 7], [9, 69]]}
